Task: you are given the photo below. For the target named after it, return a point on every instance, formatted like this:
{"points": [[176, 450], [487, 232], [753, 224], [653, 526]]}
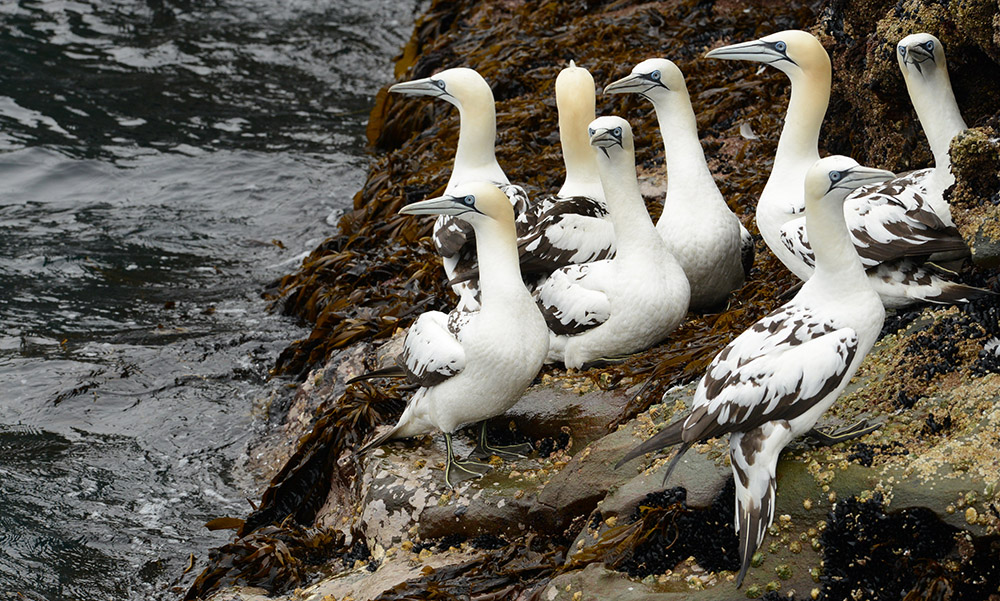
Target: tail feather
{"points": [[952, 293], [378, 440], [676, 460], [666, 437], [752, 523], [393, 371]]}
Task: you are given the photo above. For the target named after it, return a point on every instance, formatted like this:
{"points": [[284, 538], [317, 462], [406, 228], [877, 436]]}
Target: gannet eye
{"points": [[439, 83], [617, 132], [469, 200], [835, 176], [929, 45], [655, 76], [590, 131], [902, 51], [780, 46]]}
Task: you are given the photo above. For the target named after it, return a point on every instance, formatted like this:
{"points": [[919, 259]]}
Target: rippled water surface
{"points": [[160, 163]]}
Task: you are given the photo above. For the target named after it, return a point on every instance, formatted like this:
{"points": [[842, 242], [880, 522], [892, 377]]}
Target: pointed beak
{"points": [[859, 176], [632, 83], [442, 205], [757, 50], [603, 138], [418, 87], [917, 55]]}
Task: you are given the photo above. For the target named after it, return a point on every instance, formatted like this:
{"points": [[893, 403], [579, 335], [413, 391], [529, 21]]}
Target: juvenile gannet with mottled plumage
{"points": [[475, 160], [607, 309], [707, 239], [473, 365], [893, 229], [572, 226], [774, 381]]}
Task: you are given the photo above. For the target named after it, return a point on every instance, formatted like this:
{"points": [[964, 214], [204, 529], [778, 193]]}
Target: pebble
{"points": [[971, 515]]}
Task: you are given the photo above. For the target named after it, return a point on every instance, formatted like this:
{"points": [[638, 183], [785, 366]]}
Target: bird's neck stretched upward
{"points": [[634, 231], [499, 273], [475, 157], [575, 113], [688, 177], [799, 141], [837, 260], [937, 110]]}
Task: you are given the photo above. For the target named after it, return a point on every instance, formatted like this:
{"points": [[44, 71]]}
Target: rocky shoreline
{"points": [[911, 510]]}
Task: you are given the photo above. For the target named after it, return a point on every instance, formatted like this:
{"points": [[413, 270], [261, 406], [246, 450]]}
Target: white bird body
{"points": [[607, 309], [698, 227], [773, 382], [895, 223], [473, 365], [571, 227], [475, 161]]}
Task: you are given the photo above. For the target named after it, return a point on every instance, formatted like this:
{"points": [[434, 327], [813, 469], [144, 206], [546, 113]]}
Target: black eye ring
{"points": [[929, 45], [655, 75], [439, 83], [590, 131], [902, 51], [780, 46], [835, 176], [617, 131], [469, 200]]}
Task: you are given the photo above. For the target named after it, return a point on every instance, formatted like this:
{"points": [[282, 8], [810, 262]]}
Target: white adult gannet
{"points": [[892, 230], [572, 226], [925, 70], [475, 160], [472, 365], [774, 381], [701, 232], [607, 309]]}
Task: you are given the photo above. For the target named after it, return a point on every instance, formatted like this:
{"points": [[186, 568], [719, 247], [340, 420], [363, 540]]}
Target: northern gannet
{"points": [[472, 365], [475, 160], [706, 238], [572, 226], [893, 228], [925, 71], [774, 380], [607, 309]]}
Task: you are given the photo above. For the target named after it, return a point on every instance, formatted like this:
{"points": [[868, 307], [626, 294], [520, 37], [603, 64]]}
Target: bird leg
{"points": [[457, 471], [483, 448], [828, 437]]}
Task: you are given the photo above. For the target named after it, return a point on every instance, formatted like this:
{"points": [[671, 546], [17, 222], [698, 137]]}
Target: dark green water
{"points": [[149, 155]]}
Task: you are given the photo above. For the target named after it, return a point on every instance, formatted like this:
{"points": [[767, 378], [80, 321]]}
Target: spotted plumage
{"points": [[774, 381]]}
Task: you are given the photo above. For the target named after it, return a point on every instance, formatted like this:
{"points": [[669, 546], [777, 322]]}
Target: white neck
{"points": [[689, 181], [575, 114], [937, 110], [475, 157], [837, 261], [634, 231], [499, 272], [799, 139]]}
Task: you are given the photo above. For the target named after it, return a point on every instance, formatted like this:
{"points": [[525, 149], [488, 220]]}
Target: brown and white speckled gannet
{"points": [[892, 225], [475, 160], [773, 382], [572, 226]]}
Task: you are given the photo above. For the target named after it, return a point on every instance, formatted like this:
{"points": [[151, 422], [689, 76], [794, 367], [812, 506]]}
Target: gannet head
{"points": [[611, 135], [474, 202], [458, 86], [652, 78], [834, 177], [791, 51], [919, 53], [573, 80]]}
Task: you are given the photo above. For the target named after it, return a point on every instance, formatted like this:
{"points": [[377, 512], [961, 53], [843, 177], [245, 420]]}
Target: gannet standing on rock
{"points": [[925, 71], [472, 365], [572, 226], [475, 160], [774, 381], [893, 228], [608, 309], [707, 239]]}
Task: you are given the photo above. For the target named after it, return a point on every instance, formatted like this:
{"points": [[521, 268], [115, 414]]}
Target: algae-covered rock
{"points": [[975, 197]]}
